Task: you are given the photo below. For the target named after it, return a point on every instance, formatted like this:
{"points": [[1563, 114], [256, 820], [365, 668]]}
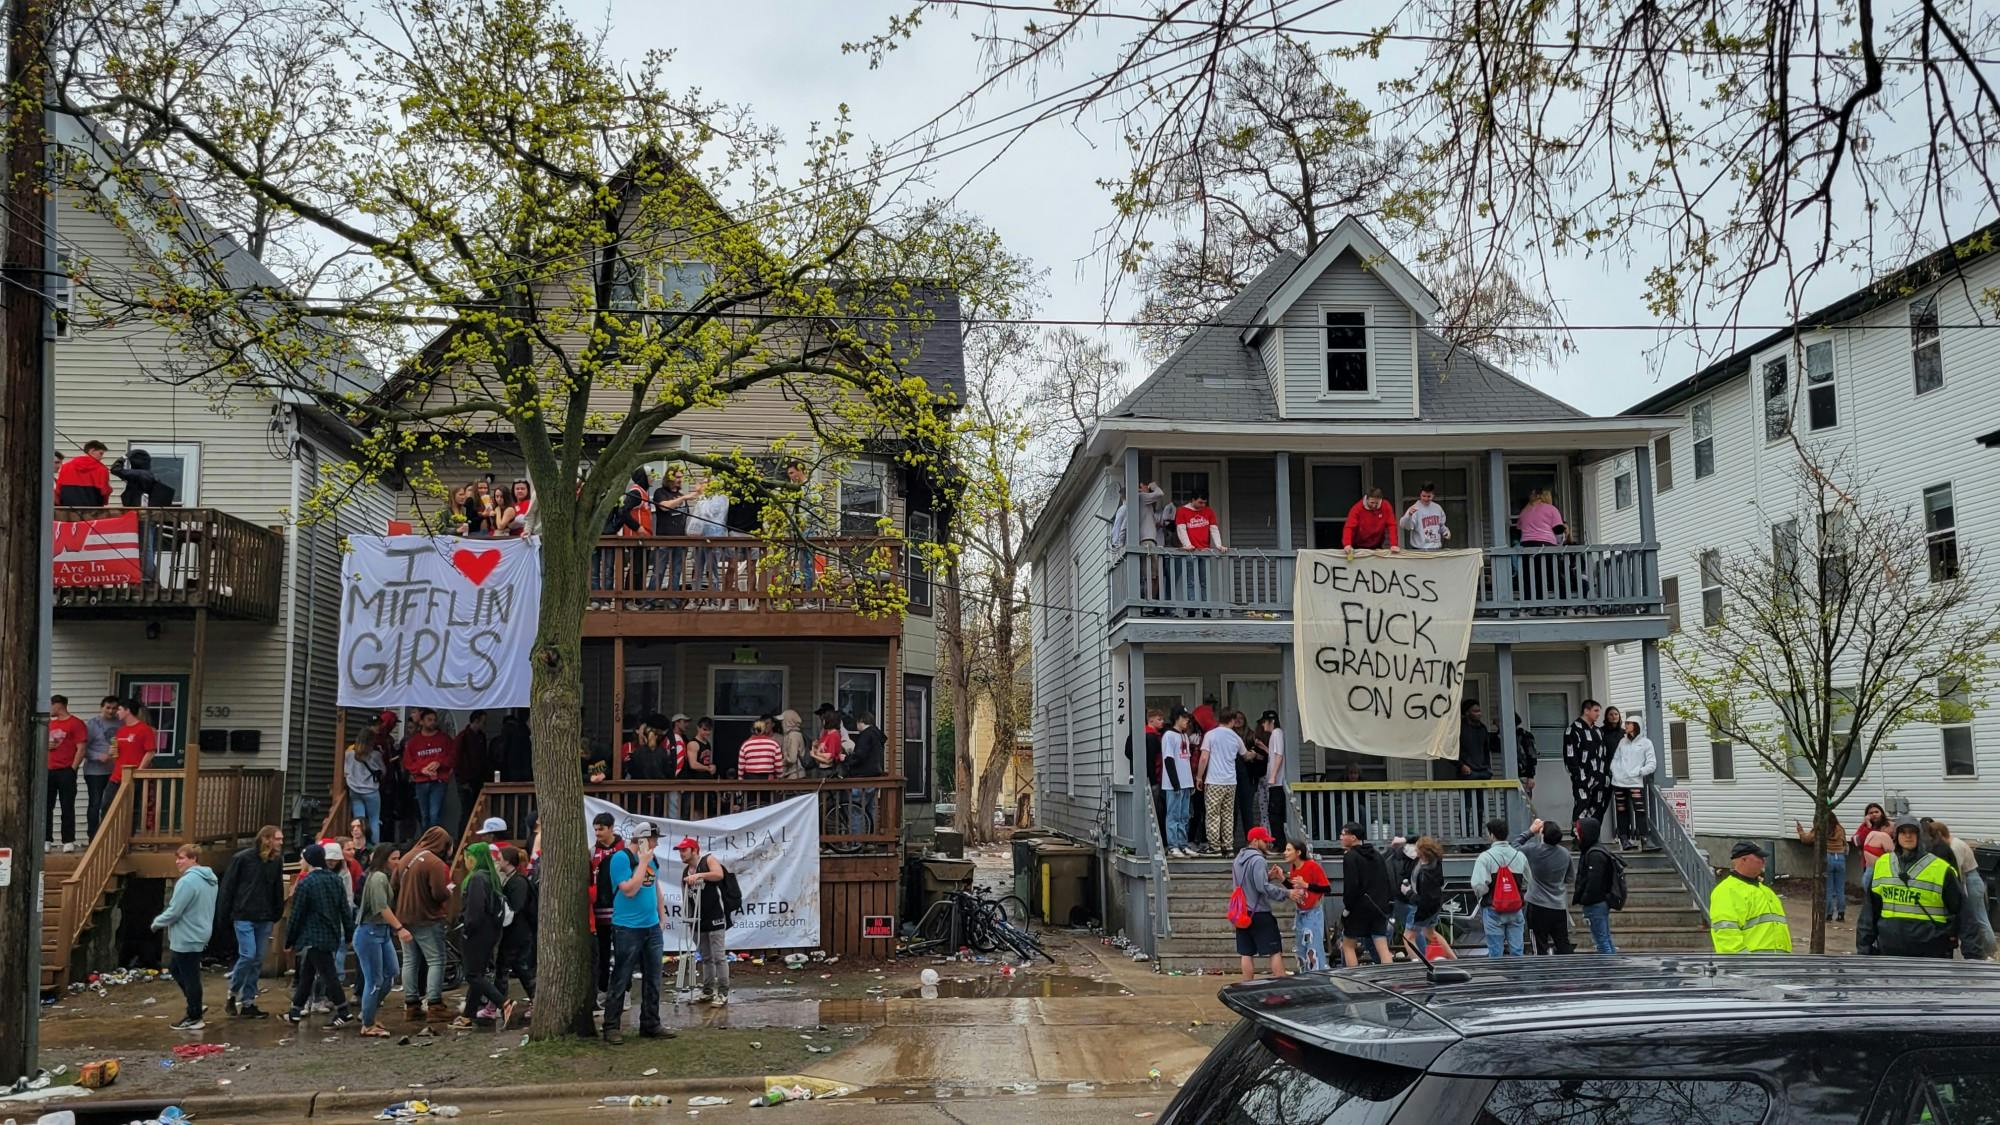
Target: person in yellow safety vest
{"points": [[1912, 900], [1744, 915]]}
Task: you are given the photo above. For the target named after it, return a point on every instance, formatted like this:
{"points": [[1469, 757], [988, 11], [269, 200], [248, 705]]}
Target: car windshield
{"points": [[1260, 1077]]}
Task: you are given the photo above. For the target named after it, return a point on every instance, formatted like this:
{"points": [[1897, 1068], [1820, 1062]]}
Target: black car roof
{"points": [[1395, 1014]]}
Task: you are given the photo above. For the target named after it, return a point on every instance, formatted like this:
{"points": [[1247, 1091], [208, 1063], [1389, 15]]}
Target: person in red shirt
{"points": [[83, 481], [67, 738], [757, 759], [1198, 530], [427, 756], [1370, 525], [132, 746], [1307, 880]]}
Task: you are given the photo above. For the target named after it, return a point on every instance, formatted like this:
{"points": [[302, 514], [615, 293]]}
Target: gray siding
{"points": [[1349, 283], [1072, 711]]}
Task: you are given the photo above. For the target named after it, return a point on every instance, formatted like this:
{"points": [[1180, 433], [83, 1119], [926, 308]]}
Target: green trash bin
{"points": [[1062, 879]]}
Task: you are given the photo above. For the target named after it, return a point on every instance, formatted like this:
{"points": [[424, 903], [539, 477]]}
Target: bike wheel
{"points": [[1013, 908], [985, 928]]}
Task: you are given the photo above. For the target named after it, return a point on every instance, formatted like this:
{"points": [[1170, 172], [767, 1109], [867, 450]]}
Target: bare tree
{"points": [[1850, 626]]}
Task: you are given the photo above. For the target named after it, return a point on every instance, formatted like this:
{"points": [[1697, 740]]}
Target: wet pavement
{"points": [[918, 1107]]}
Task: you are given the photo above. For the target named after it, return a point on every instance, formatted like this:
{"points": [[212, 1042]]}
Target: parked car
{"points": [[1628, 1040]]}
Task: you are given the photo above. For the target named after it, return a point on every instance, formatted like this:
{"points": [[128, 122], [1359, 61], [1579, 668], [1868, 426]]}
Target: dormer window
{"points": [[1348, 364]]}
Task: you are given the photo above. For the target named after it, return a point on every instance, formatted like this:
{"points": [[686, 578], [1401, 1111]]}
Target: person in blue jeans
{"points": [[1836, 864], [376, 939], [251, 898], [1505, 909], [1593, 883], [637, 943]]}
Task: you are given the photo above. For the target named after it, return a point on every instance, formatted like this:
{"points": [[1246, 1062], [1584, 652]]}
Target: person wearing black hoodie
{"points": [[1364, 897], [1593, 882], [250, 900]]}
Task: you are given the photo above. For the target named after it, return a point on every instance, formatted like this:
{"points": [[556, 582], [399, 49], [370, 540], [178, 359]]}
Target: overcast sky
{"points": [[782, 58]]}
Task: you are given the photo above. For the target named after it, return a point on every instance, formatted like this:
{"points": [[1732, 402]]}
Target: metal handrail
{"points": [[1680, 847]]}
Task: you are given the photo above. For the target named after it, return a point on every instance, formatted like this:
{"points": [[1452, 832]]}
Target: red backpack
{"points": [[1239, 909], [1506, 898]]}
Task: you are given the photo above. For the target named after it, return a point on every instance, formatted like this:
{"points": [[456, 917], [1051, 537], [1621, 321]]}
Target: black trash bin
{"points": [[1988, 857]]}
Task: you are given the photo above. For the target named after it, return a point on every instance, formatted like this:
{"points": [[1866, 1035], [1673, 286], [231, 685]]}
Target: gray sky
{"points": [[782, 58]]}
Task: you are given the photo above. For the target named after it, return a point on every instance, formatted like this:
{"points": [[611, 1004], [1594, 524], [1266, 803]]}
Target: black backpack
{"points": [[1614, 887], [732, 895]]}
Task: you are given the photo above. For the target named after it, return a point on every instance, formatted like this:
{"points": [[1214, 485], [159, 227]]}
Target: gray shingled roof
{"points": [[1213, 375]]}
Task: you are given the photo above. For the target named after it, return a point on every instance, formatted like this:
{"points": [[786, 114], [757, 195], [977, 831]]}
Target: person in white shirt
{"points": [[1177, 781], [1631, 764], [1220, 748], [1273, 737], [1423, 522], [708, 517]]}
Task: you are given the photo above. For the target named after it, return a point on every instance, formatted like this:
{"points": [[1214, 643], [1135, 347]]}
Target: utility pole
{"points": [[25, 324]]}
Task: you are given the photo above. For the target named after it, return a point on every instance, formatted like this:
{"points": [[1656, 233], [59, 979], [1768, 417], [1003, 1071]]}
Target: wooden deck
{"points": [[201, 559], [658, 586]]}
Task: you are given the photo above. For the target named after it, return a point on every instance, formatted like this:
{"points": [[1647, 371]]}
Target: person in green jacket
{"points": [[1744, 915], [189, 920]]}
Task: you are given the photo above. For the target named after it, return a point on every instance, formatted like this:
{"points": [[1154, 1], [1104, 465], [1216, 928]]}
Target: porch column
{"points": [[191, 753], [892, 696], [1642, 464], [1288, 710], [1135, 726], [1285, 505], [1496, 499], [1127, 582], [617, 707], [1656, 729], [1510, 759]]}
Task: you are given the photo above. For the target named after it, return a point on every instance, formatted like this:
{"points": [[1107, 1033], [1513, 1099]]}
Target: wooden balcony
{"points": [[1517, 582], [742, 587], [193, 559]]}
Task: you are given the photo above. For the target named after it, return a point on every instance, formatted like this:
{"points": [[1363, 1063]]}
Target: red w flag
{"points": [[100, 552]]}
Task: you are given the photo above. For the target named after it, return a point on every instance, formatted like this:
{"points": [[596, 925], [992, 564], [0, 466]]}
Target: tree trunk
{"points": [[565, 980], [1822, 824], [1004, 660], [958, 673]]}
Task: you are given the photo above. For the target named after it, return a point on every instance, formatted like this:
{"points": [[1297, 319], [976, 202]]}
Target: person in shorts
{"points": [[1427, 888], [1263, 887]]}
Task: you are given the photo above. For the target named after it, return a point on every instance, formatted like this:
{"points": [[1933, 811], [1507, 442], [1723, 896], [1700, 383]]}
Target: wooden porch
{"points": [[195, 560], [660, 586]]}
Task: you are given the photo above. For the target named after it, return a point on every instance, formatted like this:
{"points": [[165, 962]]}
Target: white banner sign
{"points": [[438, 622], [774, 852], [1381, 641]]}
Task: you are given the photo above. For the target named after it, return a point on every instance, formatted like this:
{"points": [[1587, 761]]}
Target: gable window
{"points": [[1621, 485], [1677, 748], [1670, 593], [864, 498], [62, 297], [1347, 360], [1941, 532], [1711, 587], [1822, 409], [1701, 420], [1777, 398], [1663, 464], [1926, 351], [1955, 724]]}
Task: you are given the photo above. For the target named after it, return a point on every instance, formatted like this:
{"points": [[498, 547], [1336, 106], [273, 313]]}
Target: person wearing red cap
{"points": [[1263, 887], [702, 876]]}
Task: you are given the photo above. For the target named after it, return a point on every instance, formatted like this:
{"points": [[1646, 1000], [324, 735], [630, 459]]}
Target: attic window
{"points": [[1347, 359]]}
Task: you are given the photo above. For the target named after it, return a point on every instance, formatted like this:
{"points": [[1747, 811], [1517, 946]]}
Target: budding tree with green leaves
{"points": [[1850, 626], [562, 256]]}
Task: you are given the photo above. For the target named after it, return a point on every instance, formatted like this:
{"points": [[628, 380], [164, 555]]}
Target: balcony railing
{"points": [[661, 574], [1452, 812], [190, 559], [857, 814], [1587, 580]]}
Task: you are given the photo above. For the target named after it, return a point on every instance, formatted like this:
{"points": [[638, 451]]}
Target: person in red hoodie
{"points": [[427, 756], [83, 481], [1370, 525]]}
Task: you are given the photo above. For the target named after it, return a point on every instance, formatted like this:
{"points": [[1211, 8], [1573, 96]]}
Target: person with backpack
{"points": [[1600, 883], [1548, 894], [517, 939], [717, 897], [1256, 886], [485, 915], [1500, 876], [1364, 897]]}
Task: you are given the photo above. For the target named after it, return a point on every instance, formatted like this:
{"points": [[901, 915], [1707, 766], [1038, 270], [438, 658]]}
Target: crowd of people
{"points": [[99, 750], [706, 510], [397, 787], [1214, 776]]}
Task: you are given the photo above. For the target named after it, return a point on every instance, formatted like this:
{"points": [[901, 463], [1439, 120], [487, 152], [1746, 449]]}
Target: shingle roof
{"points": [[1213, 375]]}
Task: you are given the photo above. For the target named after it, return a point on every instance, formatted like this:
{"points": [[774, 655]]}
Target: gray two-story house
{"points": [[1319, 382]]}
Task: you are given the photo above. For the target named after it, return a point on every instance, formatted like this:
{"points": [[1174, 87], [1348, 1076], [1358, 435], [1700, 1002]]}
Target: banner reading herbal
{"points": [[438, 622], [1381, 641]]}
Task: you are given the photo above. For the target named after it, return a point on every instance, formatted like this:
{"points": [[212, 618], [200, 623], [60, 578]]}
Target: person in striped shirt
{"points": [[759, 756]]}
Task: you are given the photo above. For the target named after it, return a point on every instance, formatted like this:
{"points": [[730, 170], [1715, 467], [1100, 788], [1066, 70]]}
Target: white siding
{"points": [[1072, 717], [1898, 444], [1348, 284]]}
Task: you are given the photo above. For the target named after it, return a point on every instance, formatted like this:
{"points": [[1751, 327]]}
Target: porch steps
{"points": [[56, 950], [1659, 914]]}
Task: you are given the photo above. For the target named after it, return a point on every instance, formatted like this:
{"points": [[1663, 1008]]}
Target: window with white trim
{"points": [[1777, 380], [1941, 531], [864, 497], [1347, 360], [1822, 405], [1721, 751], [1926, 348], [1677, 748], [1955, 727], [1711, 588], [1670, 593], [1663, 464], [62, 297], [1701, 420], [1621, 485], [1785, 555]]}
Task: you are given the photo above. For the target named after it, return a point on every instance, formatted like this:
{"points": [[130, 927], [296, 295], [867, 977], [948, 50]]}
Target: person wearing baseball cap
{"points": [[1263, 887], [637, 942], [1745, 915], [493, 831], [1913, 902], [702, 876]]}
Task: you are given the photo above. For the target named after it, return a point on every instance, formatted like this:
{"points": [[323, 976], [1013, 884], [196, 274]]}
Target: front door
{"points": [[1549, 708], [739, 695], [1165, 695], [165, 700]]}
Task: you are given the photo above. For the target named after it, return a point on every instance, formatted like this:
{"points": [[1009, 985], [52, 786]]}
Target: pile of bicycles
{"points": [[970, 920]]}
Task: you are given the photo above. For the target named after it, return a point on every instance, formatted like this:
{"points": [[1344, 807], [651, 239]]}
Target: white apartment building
{"points": [[1898, 380]]}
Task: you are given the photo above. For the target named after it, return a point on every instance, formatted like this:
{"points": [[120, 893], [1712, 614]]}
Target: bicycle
{"points": [[970, 920], [842, 815]]}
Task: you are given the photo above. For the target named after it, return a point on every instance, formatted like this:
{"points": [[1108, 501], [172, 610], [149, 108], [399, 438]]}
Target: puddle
{"points": [[1021, 984]]}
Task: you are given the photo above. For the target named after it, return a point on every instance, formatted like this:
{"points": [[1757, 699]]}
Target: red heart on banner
{"points": [[476, 565]]}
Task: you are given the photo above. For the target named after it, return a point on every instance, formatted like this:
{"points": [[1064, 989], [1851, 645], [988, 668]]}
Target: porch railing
{"points": [[1680, 847], [225, 804], [660, 573], [1453, 812], [86, 884], [1582, 580], [192, 558], [857, 814]]}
